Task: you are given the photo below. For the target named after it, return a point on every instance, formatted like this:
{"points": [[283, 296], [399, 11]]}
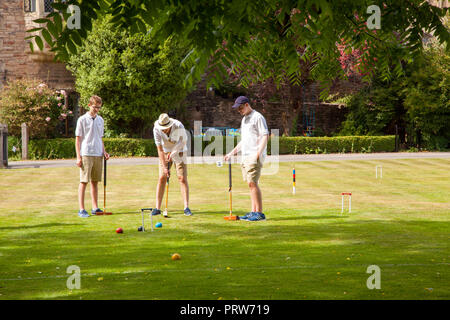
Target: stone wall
{"points": [[215, 110], [16, 59]]}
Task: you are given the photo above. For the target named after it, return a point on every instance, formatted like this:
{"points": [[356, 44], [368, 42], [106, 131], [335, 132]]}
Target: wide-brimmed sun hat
{"points": [[164, 122]]}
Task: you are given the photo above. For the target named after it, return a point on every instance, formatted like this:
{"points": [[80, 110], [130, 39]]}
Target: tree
{"points": [[281, 33], [136, 78], [427, 101], [417, 102]]}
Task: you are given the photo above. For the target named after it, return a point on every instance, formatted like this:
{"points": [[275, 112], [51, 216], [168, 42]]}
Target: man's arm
{"points": [[262, 145], [78, 148], [105, 154], [79, 133], [233, 152], [178, 147], [163, 159], [179, 132]]}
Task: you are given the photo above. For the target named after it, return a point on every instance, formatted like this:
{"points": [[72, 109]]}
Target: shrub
{"points": [[31, 102], [62, 148], [124, 147], [306, 145], [14, 142], [65, 148]]}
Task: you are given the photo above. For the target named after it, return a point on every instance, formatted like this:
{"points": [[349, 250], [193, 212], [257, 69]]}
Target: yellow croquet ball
{"points": [[176, 256]]}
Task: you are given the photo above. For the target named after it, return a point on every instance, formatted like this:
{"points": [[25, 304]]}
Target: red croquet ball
{"points": [[119, 230]]}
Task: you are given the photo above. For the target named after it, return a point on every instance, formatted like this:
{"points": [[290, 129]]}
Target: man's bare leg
{"points": [[94, 194], [81, 192], [160, 191], [256, 197], [184, 190]]}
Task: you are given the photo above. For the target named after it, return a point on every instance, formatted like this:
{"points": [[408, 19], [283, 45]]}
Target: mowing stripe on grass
{"points": [[318, 266]]}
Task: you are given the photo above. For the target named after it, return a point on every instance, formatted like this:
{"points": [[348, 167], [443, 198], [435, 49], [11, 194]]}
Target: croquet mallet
{"points": [[230, 217], [165, 213]]}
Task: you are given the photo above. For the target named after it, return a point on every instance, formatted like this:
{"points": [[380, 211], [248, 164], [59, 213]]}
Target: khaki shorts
{"points": [[181, 167], [251, 169], [91, 169]]}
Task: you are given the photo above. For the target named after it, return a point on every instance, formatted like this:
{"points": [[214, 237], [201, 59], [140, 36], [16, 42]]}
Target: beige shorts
{"points": [[91, 169], [251, 169], [181, 167]]}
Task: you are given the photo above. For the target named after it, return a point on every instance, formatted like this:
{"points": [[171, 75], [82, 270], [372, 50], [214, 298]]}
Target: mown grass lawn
{"points": [[305, 250]]}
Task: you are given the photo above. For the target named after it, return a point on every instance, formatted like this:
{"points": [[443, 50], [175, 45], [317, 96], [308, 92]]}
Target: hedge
{"points": [[341, 144], [125, 147]]}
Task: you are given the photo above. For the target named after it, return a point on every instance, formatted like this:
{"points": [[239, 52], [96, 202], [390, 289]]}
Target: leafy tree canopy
{"points": [[136, 77], [261, 39], [418, 103]]}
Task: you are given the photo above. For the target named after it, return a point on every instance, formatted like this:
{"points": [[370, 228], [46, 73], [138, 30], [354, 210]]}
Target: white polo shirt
{"points": [[253, 128], [91, 131], [168, 142]]}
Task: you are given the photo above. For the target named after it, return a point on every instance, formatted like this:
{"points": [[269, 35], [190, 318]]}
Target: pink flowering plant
{"points": [[34, 103]]}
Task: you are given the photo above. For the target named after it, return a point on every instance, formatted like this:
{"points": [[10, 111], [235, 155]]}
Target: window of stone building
{"points": [[48, 5], [29, 5]]}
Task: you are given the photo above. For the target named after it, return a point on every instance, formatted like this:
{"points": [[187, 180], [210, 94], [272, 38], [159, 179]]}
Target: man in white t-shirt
{"points": [[90, 152], [170, 139], [253, 147]]}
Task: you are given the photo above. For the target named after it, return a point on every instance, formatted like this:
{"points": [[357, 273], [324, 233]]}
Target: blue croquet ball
{"points": [[158, 225]]}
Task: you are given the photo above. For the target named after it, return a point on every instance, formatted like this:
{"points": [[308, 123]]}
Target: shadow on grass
{"points": [[300, 217], [223, 212], [43, 225], [195, 212], [213, 244], [128, 212]]}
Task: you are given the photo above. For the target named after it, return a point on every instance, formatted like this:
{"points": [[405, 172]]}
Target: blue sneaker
{"points": [[256, 216], [83, 214], [246, 216], [155, 212], [94, 212], [187, 212]]}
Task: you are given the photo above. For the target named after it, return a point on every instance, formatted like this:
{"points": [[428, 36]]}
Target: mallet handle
{"points": [[104, 172], [167, 194], [104, 185], [230, 187], [167, 186], [229, 176], [231, 204]]}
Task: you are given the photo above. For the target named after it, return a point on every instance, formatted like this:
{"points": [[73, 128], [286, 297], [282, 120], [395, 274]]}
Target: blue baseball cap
{"points": [[240, 100]]}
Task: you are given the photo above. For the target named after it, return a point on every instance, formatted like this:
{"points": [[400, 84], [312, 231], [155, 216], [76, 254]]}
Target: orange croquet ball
{"points": [[176, 256]]}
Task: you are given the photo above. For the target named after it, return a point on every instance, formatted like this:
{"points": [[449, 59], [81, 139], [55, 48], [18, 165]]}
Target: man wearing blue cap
{"points": [[253, 147]]}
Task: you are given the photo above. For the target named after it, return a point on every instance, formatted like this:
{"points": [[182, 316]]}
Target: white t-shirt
{"points": [[253, 128], [168, 143], [91, 131]]}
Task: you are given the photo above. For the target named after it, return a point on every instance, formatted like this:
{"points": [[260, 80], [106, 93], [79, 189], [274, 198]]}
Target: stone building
{"points": [[16, 59]]}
